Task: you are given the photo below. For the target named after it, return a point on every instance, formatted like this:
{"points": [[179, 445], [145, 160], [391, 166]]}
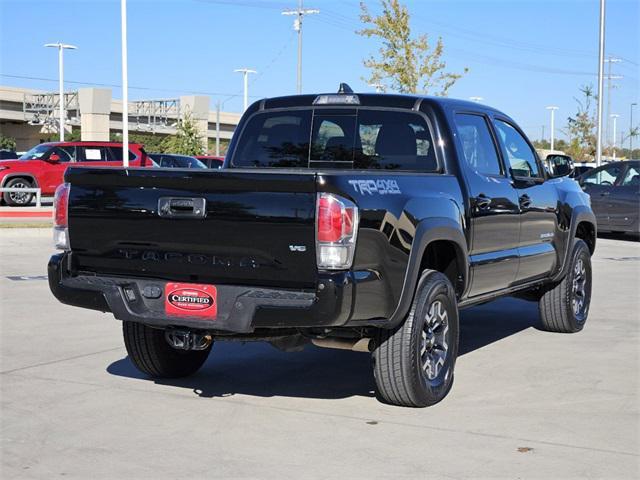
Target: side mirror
{"points": [[559, 165], [54, 157]]}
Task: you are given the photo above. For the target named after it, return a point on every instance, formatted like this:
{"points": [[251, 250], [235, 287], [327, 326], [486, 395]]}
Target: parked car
{"points": [[615, 195], [351, 221], [211, 161], [170, 160], [44, 165], [581, 168], [8, 155]]}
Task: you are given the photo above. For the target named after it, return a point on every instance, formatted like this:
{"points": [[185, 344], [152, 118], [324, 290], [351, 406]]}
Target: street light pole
{"points": [[553, 109], [61, 47], [631, 130], [245, 72], [600, 85], [125, 85], [615, 118]]}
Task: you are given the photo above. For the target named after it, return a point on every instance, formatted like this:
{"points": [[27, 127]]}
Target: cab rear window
{"points": [[360, 139]]}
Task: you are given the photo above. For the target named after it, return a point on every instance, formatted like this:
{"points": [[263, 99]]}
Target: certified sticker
{"points": [[191, 299]]}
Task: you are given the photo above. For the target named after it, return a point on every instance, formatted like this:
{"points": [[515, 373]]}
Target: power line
{"points": [[98, 84]]}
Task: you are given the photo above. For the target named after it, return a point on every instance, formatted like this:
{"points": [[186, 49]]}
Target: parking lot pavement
{"points": [[525, 403]]}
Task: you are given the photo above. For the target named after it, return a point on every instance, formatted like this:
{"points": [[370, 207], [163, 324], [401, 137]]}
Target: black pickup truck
{"points": [[354, 221]]}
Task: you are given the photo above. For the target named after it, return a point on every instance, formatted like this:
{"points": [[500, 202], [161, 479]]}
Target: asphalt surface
{"points": [[525, 403]]}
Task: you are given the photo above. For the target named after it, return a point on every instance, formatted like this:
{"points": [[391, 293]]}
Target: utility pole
{"points": [[125, 85], [299, 13], [615, 118], [245, 72], [600, 84], [553, 109], [610, 60], [61, 47], [631, 130]]}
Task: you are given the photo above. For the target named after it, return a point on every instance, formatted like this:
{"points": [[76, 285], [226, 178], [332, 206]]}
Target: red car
{"points": [[210, 161], [43, 166]]}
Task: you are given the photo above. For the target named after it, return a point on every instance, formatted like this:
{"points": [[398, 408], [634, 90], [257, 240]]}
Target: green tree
{"points": [[152, 142], [187, 140], [542, 144], [224, 146], [405, 63], [581, 127], [7, 143]]}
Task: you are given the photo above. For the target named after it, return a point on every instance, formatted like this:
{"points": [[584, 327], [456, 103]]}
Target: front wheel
{"points": [[565, 306], [18, 199], [413, 364], [151, 354]]}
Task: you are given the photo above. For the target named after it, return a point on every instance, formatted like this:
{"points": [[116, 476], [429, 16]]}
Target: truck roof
{"points": [[408, 101]]}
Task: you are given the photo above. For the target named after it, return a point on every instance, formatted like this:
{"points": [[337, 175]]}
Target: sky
{"points": [[522, 55]]}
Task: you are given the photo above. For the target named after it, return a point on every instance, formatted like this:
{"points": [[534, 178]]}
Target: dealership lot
{"points": [[525, 403]]}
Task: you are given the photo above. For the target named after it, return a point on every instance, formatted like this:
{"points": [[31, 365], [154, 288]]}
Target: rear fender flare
{"points": [[580, 213], [428, 230]]}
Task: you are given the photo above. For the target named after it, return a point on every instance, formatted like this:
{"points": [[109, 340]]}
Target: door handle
{"points": [[605, 194], [181, 207], [525, 201], [483, 202]]}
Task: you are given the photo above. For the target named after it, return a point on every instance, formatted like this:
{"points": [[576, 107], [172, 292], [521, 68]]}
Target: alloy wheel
{"points": [[435, 340]]}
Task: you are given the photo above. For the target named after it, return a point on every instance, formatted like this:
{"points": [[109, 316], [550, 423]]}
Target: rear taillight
{"points": [[336, 230], [60, 217]]}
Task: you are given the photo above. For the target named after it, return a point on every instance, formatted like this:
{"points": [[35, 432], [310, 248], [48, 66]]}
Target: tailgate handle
{"points": [[182, 207]]}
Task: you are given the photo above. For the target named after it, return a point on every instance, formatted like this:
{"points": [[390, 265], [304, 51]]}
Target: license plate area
{"points": [[191, 300]]}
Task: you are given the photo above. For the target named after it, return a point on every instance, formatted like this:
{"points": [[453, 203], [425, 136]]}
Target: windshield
{"points": [[36, 152], [352, 138]]}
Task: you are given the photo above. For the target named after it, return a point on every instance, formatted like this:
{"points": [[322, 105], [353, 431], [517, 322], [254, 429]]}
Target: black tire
{"points": [[399, 363], [151, 354], [15, 199], [565, 306]]}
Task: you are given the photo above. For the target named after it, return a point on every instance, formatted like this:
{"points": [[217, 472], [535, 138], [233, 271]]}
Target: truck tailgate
{"points": [[237, 227]]}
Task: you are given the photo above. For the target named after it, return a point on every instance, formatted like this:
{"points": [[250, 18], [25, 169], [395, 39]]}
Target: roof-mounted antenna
{"points": [[344, 88]]}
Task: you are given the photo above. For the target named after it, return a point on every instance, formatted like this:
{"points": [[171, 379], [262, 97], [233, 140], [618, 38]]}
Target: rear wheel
{"points": [[152, 355], [413, 364], [564, 307], [18, 199]]}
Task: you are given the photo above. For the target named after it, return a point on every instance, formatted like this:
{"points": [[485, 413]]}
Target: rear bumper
{"points": [[241, 309]]}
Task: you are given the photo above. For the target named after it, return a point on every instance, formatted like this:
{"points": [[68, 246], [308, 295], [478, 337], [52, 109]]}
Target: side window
{"points": [[116, 154], [605, 177], [517, 152], [167, 161], [66, 154], [477, 144], [631, 178], [93, 154]]}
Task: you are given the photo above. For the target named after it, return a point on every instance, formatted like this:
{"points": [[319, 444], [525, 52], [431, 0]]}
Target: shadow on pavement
{"points": [[628, 237], [258, 369]]}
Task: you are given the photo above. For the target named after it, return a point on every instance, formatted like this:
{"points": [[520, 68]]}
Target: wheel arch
{"points": [[440, 245], [583, 225], [11, 176]]}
